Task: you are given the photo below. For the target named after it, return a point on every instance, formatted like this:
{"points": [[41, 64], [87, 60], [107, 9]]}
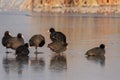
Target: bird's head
{"points": [[27, 45], [20, 35], [102, 46], [51, 30], [7, 33]]}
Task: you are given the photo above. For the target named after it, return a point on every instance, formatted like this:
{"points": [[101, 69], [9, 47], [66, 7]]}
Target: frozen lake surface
{"points": [[83, 32]]}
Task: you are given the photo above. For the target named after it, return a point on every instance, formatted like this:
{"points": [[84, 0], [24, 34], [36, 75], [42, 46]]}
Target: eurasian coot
{"points": [[37, 41], [97, 51], [58, 46], [15, 42], [22, 50], [5, 39], [57, 36]]}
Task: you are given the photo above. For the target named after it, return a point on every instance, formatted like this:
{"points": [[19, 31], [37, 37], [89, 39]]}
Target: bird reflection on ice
{"points": [[37, 63], [58, 62], [97, 59], [15, 64]]}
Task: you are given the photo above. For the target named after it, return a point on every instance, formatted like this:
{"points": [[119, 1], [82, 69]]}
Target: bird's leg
{"points": [[15, 54], [36, 50], [6, 51], [6, 55], [36, 55]]}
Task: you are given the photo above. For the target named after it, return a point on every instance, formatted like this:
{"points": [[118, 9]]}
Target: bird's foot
{"points": [[7, 52], [38, 52]]}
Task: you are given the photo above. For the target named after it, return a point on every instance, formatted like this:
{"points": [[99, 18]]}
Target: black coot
{"points": [[97, 51], [58, 46], [15, 42], [57, 36], [37, 41], [22, 50], [5, 39]]}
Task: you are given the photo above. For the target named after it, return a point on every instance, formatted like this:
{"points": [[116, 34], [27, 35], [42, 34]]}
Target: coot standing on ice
{"points": [[15, 42], [58, 47], [37, 41], [22, 50], [5, 39], [56, 35]]}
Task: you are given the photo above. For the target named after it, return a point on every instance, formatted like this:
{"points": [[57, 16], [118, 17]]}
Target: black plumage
{"points": [[37, 41], [15, 42], [5, 39], [58, 47], [22, 50], [57, 36], [97, 51]]}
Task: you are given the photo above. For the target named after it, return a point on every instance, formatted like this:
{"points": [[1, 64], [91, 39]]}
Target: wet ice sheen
{"points": [[83, 33]]}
